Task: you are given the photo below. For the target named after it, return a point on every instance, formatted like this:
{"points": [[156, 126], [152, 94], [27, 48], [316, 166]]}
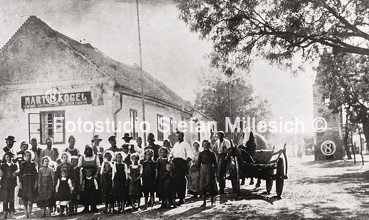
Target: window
{"points": [[133, 120], [34, 126], [47, 124], [160, 128]]}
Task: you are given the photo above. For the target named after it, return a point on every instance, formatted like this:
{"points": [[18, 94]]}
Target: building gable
{"points": [[37, 54]]}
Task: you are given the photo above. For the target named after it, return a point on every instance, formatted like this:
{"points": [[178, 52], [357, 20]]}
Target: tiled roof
{"points": [[126, 76]]}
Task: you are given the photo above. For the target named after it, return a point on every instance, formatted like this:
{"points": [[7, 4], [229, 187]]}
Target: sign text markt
{"points": [[59, 99]]}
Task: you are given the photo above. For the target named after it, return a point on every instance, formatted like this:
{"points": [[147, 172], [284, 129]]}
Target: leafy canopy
{"points": [[241, 30]]}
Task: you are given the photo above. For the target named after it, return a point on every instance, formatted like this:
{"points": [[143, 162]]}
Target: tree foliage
{"points": [[277, 29], [222, 96], [345, 79]]}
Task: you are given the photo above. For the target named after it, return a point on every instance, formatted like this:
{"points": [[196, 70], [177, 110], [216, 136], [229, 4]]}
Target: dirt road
{"points": [[314, 190]]}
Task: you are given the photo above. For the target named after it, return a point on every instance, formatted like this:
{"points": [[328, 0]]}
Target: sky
{"points": [[171, 53]]}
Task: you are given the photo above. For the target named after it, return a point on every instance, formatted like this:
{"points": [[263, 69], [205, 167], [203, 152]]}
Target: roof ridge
{"points": [[32, 17], [102, 62], [74, 49]]}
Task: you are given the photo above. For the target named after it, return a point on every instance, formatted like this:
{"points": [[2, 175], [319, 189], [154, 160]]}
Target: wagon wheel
{"points": [[279, 177], [234, 171], [269, 181]]}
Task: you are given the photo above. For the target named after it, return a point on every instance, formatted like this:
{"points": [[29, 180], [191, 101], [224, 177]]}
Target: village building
{"points": [[54, 86]]}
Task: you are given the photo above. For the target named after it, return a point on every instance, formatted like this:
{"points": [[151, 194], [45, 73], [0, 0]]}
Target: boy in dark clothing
{"points": [[167, 184], [89, 191], [75, 175]]}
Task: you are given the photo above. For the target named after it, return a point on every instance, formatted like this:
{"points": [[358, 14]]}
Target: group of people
{"points": [[117, 176]]}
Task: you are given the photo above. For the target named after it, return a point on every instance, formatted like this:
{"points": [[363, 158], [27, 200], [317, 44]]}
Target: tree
{"points": [[224, 96], [345, 79], [241, 30]]}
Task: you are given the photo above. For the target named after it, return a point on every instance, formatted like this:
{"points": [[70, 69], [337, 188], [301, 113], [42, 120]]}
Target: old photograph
{"points": [[184, 109]]}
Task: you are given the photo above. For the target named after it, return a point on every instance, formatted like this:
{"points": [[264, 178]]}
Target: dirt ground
{"points": [[314, 190]]}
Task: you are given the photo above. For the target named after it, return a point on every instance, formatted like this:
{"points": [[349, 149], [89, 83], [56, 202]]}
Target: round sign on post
{"points": [[328, 148]]}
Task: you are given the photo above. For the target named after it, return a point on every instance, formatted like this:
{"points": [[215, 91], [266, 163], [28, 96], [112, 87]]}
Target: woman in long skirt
{"points": [[28, 182], [194, 173], [208, 169]]}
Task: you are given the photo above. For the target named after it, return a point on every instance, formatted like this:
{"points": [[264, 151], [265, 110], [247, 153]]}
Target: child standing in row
{"points": [[46, 181], [65, 165], [160, 169], [64, 190], [135, 172], [75, 176], [167, 188], [148, 177], [120, 182], [107, 176], [8, 183], [28, 182], [89, 190]]}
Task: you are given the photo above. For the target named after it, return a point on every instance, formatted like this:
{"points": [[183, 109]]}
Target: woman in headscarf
{"points": [[194, 173], [89, 159]]}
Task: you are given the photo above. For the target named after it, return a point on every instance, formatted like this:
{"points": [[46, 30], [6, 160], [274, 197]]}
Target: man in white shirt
{"points": [[220, 149], [138, 146], [180, 155]]}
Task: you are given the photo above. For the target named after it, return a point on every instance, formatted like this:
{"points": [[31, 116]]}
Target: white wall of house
{"points": [[15, 121]]}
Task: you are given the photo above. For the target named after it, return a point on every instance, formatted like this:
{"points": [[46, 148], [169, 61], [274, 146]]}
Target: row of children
{"points": [[115, 182], [70, 185], [160, 177]]}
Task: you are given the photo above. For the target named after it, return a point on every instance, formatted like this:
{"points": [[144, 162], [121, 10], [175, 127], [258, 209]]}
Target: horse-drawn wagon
{"points": [[268, 165]]}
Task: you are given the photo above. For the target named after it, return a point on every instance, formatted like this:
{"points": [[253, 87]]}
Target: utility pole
{"points": [[142, 80]]}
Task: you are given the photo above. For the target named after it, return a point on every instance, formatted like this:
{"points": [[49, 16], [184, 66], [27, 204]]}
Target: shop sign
{"points": [[54, 99]]}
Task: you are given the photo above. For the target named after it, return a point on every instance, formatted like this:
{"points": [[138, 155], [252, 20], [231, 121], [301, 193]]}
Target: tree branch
{"points": [[346, 23]]}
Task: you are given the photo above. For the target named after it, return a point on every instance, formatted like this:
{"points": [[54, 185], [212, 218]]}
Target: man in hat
{"points": [[36, 150], [127, 138], [180, 155], [220, 149], [152, 145], [97, 149], [9, 147], [113, 142]]}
